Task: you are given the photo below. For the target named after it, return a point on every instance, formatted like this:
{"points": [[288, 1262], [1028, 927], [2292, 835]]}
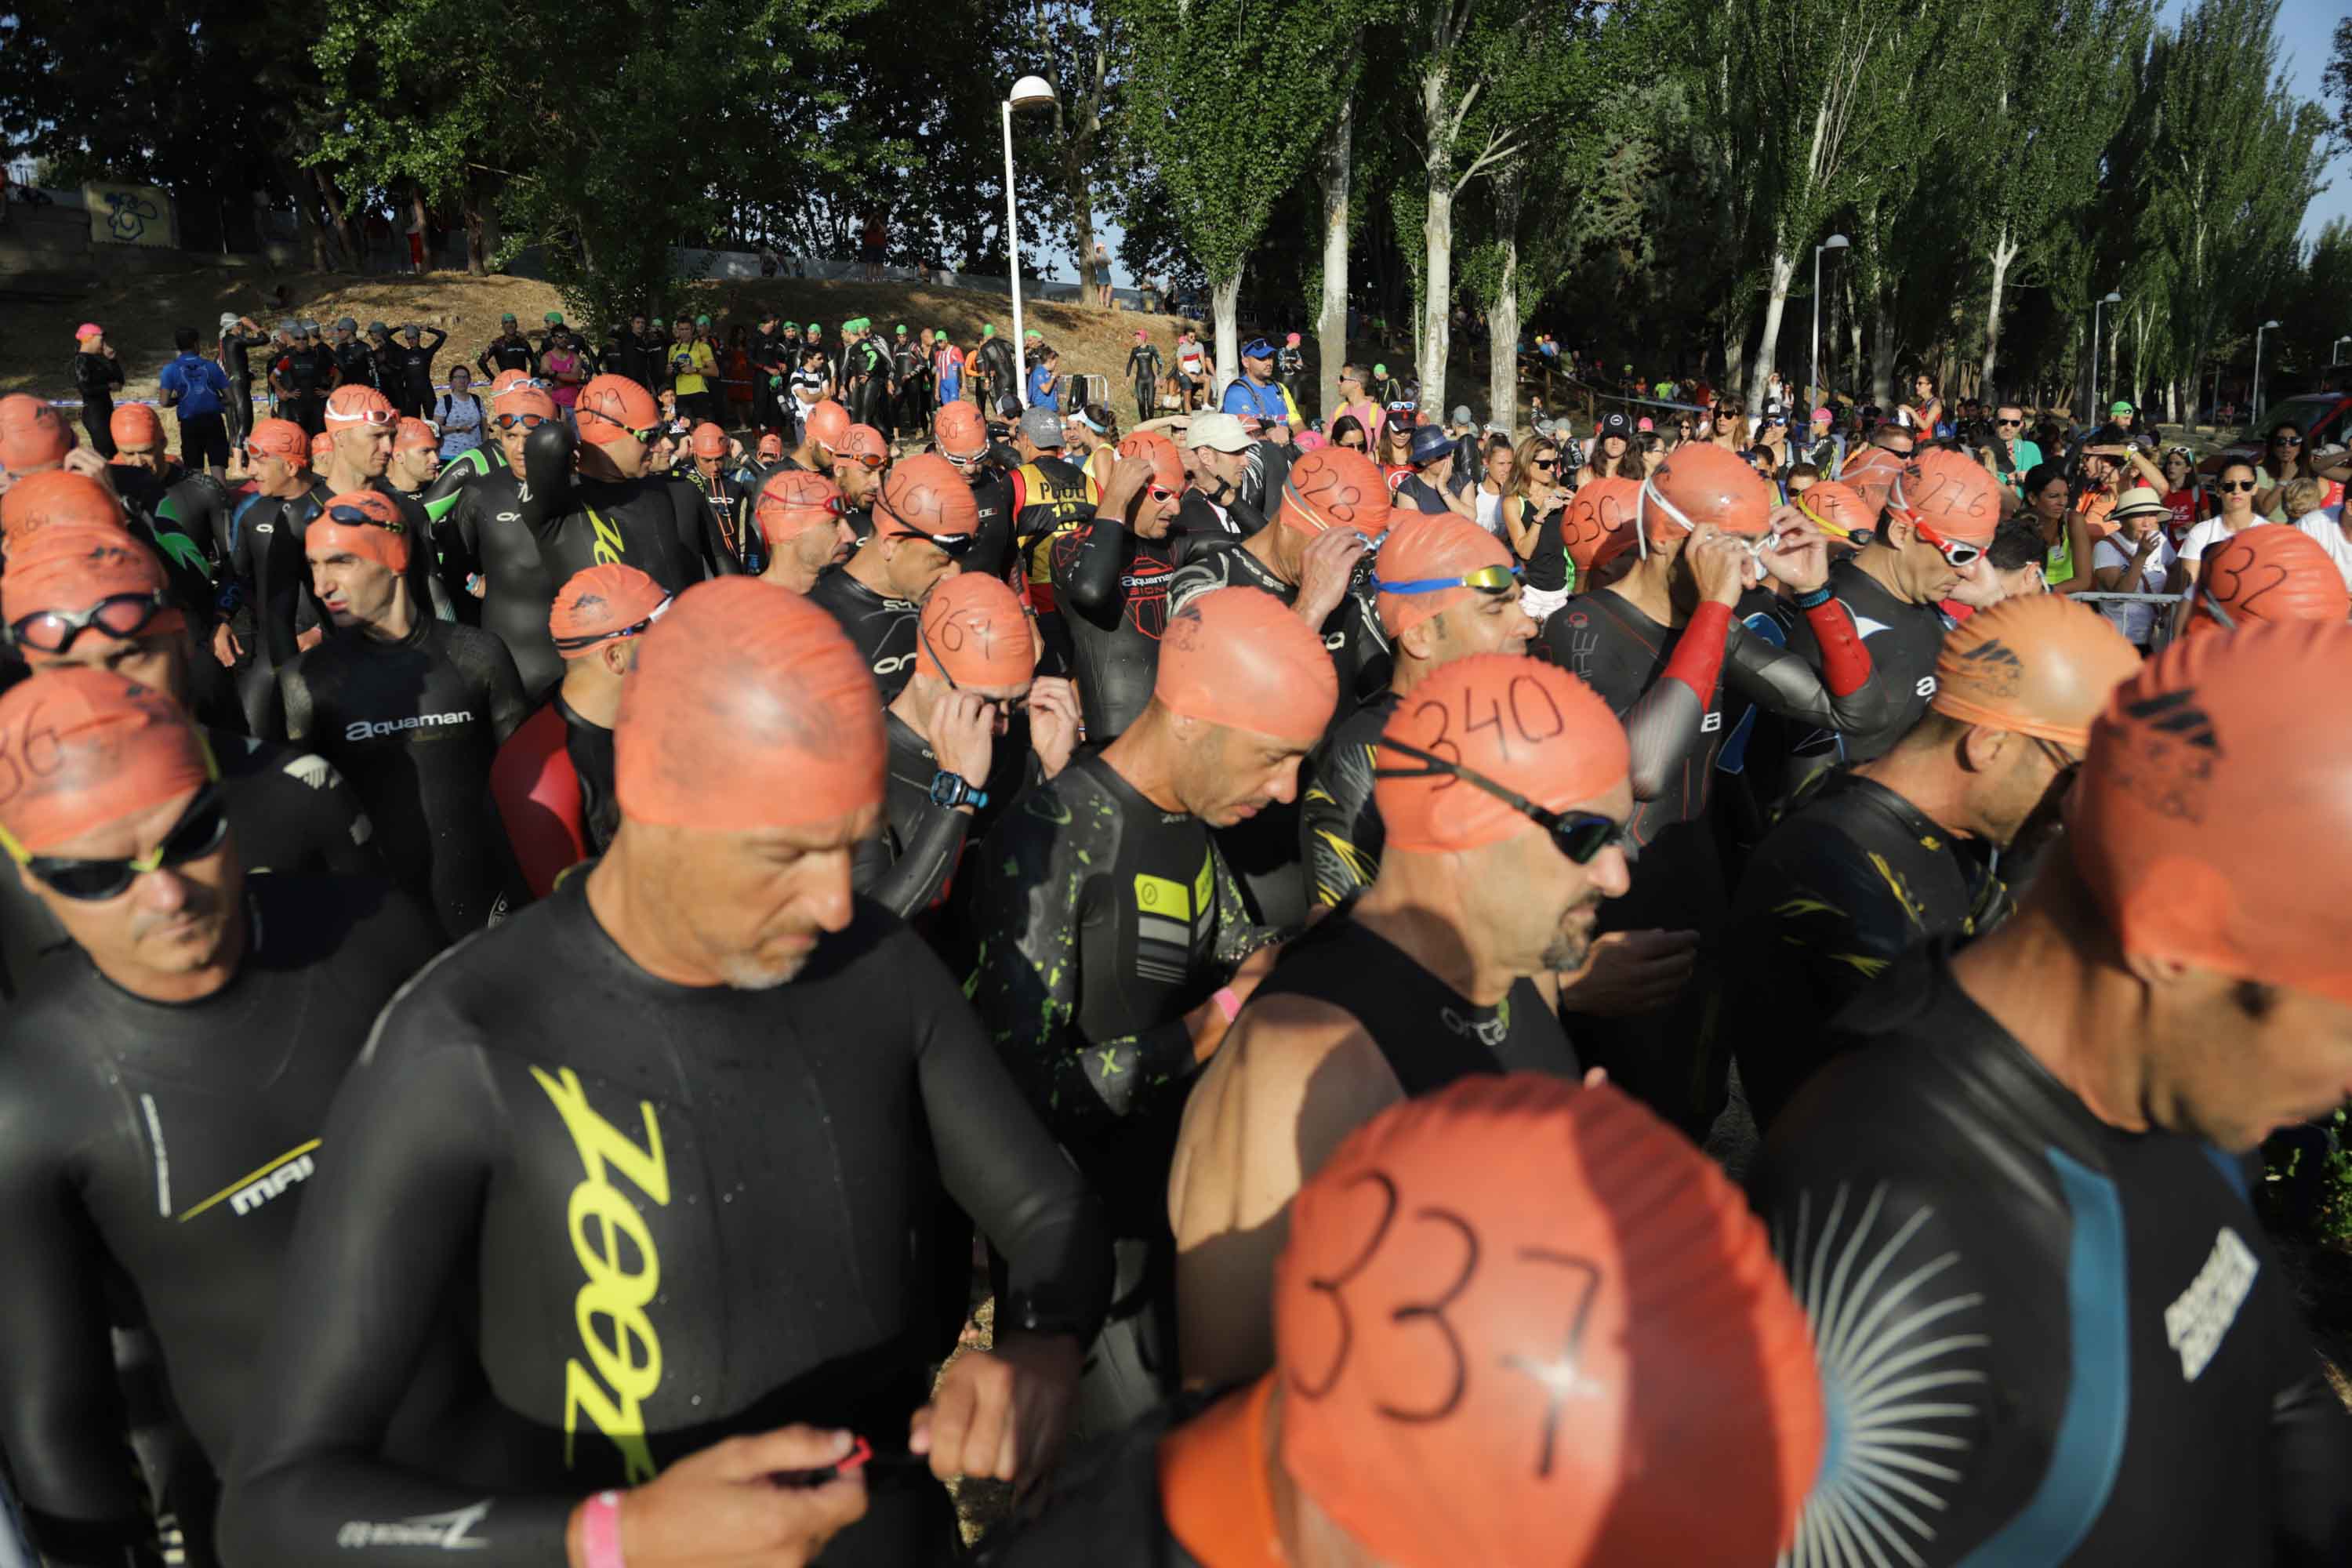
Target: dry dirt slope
{"points": [[37, 333]]}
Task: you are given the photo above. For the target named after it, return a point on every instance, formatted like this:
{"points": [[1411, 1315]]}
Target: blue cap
{"points": [[1430, 442], [1257, 348]]}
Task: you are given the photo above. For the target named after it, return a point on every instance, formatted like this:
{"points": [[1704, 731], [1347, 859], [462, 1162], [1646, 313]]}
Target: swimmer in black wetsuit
{"points": [[1890, 854], [360, 425], [611, 509], [961, 435], [1447, 965], [162, 1089], [1110, 580], [411, 710], [804, 526], [2026, 1172], [1469, 1274], [960, 737], [177, 511], [486, 521], [1446, 589], [1661, 646], [708, 1045], [924, 523], [265, 581], [1114, 943]]}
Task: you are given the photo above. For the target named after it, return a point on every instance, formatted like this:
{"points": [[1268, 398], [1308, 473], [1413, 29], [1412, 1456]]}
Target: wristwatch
{"points": [[950, 791]]}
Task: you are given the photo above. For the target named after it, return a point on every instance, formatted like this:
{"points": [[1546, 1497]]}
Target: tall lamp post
{"points": [[2336, 350], [1029, 93], [1834, 242], [2266, 327], [2112, 299]]}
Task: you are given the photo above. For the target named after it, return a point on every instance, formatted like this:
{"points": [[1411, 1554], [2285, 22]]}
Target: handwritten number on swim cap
{"points": [[28, 756], [2233, 564], [1332, 1285]]}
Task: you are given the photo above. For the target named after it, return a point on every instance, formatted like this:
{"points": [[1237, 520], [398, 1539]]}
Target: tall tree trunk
{"points": [[1882, 353], [1224, 312], [1734, 346], [423, 221], [1767, 345], [1437, 290], [1503, 318], [332, 200], [1332, 323], [1082, 228], [2004, 251]]}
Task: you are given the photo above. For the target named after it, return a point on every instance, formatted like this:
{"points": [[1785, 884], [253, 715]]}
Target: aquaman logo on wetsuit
{"points": [[630, 1364]]}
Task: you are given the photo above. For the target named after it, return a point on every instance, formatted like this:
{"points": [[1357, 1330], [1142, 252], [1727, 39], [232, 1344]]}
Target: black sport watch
{"points": [[950, 791]]}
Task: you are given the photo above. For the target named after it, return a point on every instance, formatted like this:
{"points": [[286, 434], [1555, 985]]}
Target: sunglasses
{"points": [[1543, 462], [955, 546], [2286, 440], [118, 616], [2008, 424], [1484, 580], [1579, 835], [1954, 551], [518, 421], [199, 832], [2235, 487]]}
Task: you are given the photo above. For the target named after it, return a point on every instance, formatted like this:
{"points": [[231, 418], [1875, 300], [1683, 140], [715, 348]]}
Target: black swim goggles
{"points": [[199, 832], [124, 615], [1579, 835]]}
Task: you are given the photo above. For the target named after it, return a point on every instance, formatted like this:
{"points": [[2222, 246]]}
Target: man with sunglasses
{"points": [[1216, 452], [552, 778], [1446, 590], [961, 738], [924, 523], [1116, 947], [1666, 648], [1111, 580], [163, 1086], [1254, 393], [608, 506], [1503, 785], [2026, 1166], [959, 434], [2011, 455], [411, 709], [803, 527], [705, 1099], [1890, 854]]}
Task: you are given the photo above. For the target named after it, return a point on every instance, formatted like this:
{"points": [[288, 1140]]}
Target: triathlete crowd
{"points": [[565, 938]]}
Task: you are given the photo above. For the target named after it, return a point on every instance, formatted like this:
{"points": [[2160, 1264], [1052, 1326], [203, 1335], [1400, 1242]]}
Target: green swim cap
{"points": [[702, 321], [988, 331], [1380, 370], [553, 317], [817, 326]]}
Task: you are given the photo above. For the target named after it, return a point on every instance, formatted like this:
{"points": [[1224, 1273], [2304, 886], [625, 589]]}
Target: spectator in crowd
{"points": [[97, 373], [196, 390]]}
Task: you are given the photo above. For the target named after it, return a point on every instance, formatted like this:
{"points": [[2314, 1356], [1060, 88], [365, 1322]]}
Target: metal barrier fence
{"points": [[2162, 632]]}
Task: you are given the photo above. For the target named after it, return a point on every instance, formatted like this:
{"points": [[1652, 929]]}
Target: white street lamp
{"points": [[1029, 93], [1834, 242], [2336, 350], [2113, 298], [2266, 327]]}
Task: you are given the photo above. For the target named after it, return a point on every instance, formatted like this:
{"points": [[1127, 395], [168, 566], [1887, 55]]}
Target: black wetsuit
{"points": [[485, 523], [882, 629], [506, 354], [1351, 632], [410, 384], [1671, 1056], [909, 864], [1102, 920], [1107, 1509], [993, 550], [2072, 1343], [1904, 639], [1844, 885], [268, 576], [170, 1142], [655, 524], [236, 363], [290, 810], [728, 500], [179, 513], [308, 371], [1111, 586], [1340, 832], [553, 785], [357, 363], [1429, 1034], [740, 1185], [95, 377], [413, 725]]}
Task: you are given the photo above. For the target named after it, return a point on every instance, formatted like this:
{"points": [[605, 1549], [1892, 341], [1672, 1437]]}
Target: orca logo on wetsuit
{"points": [[1490, 1033], [600, 1214]]}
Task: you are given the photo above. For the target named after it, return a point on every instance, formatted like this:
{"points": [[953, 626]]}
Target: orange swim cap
{"points": [[81, 749], [52, 496], [710, 440], [506, 381], [1949, 494], [322, 446], [973, 631], [362, 406], [1517, 1323], [412, 436], [1336, 487], [363, 523], [33, 435], [72, 566], [957, 429], [1700, 483], [1595, 512], [2040, 664], [825, 424], [771, 446], [1837, 509], [2270, 572], [280, 438], [1870, 474], [599, 604], [523, 400], [2212, 820], [135, 424], [1167, 462], [1517, 722], [864, 442], [1425, 547], [611, 408], [748, 710], [925, 493], [792, 501], [1237, 657]]}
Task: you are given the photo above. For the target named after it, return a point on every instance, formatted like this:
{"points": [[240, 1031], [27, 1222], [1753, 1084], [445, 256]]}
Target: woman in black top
{"points": [[1531, 516], [96, 375]]}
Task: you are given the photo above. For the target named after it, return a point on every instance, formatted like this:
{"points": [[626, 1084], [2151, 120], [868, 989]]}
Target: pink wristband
{"points": [[1227, 1003], [600, 1532]]}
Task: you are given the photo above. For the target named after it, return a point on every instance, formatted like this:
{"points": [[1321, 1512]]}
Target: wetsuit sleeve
{"points": [[537, 792], [294, 696], [1339, 829], [546, 497], [441, 497], [911, 882], [701, 546], [1086, 565], [1038, 877], [502, 683], [2311, 1455], [1662, 728], [1188, 583], [1003, 1169], [413, 1132], [1844, 693], [62, 1419]]}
